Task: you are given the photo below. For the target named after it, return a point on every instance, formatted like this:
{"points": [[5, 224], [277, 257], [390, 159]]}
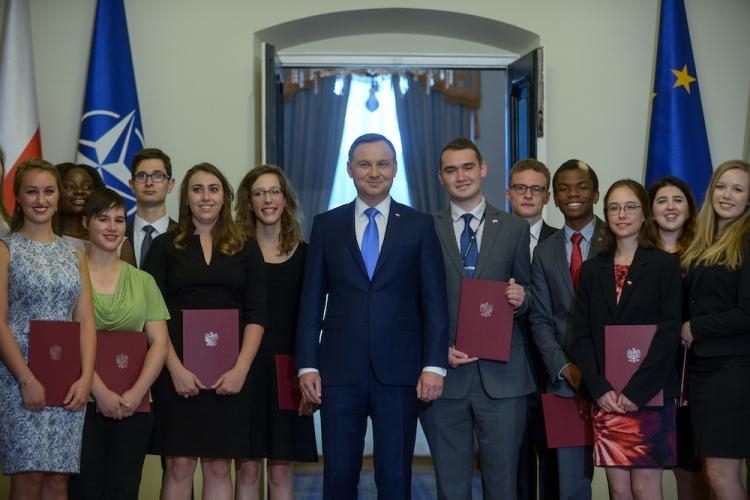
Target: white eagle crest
{"points": [[634, 355], [55, 352], [121, 360], [211, 339], [486, 309]]}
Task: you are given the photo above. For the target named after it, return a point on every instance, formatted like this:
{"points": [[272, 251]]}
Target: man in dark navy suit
{"points": [[384, 340]]}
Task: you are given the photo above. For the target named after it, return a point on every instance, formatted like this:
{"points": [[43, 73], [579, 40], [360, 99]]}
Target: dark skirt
{"points": [[719, 402], [644, 438]]}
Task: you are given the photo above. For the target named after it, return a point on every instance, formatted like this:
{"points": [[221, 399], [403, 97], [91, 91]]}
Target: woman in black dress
{"points": [[267, 210], [205, 263], [717, 283], [675, 214]]}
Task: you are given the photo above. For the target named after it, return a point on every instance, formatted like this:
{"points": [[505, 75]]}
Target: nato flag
{"points": [[111, 131], [677, 143]]}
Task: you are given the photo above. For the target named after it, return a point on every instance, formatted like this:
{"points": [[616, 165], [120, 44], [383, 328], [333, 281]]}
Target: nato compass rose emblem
{"points": [[108, 142]]}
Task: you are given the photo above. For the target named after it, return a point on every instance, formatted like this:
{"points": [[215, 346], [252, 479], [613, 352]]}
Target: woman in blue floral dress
{"points": [[41, 278]]}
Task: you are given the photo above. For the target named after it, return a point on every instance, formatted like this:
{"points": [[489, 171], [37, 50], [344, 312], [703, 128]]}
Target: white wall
{"points": [[196, 68]]}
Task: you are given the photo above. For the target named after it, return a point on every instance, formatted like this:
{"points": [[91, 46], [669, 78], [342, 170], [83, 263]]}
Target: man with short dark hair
{"points": [[528, 193], [151, 181], [375, 271], [481, 398], [554, 277]]}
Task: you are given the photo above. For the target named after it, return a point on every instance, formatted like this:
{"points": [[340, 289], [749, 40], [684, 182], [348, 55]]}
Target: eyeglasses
{"points": [[274, 192], [157, 177], [522, 188], [628, 208]]}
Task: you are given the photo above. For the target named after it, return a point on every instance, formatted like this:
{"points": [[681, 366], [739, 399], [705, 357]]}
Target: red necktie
{"points": [[576, 259]]}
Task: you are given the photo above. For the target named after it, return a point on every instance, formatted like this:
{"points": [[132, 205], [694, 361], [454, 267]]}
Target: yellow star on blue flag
{"points": [[678, 144]]}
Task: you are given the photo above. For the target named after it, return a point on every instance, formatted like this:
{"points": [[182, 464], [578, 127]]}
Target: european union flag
{"points": [[111, 131], [677, 144]]}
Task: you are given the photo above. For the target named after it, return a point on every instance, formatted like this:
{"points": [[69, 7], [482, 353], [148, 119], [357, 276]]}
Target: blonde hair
{"points": [[291, 234], [708, 248]]}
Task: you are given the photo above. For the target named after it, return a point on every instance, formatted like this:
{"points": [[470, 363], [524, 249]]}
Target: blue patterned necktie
{"points": [[371, 242], [469, 249]]}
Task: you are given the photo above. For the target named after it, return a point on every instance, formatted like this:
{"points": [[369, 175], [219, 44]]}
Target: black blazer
{"points": [[718, 303], [652, 295]]}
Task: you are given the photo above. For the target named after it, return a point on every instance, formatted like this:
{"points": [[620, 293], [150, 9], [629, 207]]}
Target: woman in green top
{"points": [[115, 438]]}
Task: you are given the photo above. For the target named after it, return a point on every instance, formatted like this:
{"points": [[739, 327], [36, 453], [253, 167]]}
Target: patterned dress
{"points": [[43, 283], [644, 438]]}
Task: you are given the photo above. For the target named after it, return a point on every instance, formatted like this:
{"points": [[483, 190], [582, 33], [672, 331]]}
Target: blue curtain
{"points": [[427, 123], [313, 127]]}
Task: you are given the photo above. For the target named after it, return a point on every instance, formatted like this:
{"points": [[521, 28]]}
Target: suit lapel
{"points": [[635, 273], [447, 235], [607, 283], [562, 260], [392, 232], [597, 239], [491, 229], [350, 236]]}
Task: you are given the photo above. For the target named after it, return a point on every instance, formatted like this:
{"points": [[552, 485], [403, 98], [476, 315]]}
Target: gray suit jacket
{"points": [[503, 254], [552, 289]]}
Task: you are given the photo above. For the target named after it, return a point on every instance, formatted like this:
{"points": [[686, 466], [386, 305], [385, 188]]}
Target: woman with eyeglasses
{"points": [[631, 282], [675, 214], [266, 210], [717, 284], [78, 181], [205, 263]]}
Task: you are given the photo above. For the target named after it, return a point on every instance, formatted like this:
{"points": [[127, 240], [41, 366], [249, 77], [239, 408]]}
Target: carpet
{"points": [[309, 486]]}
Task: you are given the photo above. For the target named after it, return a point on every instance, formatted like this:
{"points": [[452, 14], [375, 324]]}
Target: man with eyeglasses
{"points": [[151, 182], [481, 398], [528, 193], [554, 280]]}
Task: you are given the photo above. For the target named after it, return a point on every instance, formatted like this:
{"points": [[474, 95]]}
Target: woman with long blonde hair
{"points": [[717, 283]]}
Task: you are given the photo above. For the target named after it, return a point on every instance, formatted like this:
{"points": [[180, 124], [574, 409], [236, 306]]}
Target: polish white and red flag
{"points": [[19, 120]]}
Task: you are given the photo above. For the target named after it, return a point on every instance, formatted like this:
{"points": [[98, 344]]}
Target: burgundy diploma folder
{"points": [[119, 361], [565, 427], [210, 342], [625, 348], [55, 357], [287, 383], [485, 320]]}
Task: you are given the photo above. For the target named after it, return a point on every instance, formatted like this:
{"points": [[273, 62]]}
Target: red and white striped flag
{"points": [[19, 121]]}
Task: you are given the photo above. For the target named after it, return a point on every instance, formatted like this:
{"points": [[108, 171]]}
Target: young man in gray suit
{"points": [[555, 269], [486, 399]]}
